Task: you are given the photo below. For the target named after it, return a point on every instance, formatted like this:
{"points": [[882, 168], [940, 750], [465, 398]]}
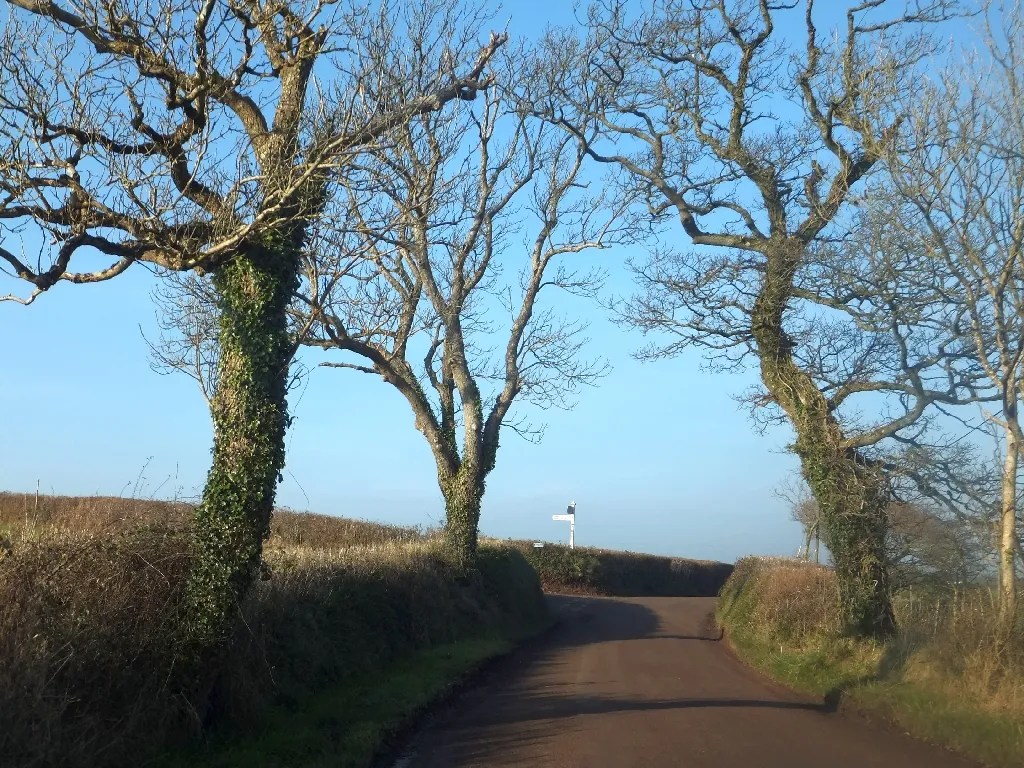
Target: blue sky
{"points": [[659, 457]]}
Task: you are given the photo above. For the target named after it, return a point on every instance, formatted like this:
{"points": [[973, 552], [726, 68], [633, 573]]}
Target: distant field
{"points": [[583, 570], [93, 514]]}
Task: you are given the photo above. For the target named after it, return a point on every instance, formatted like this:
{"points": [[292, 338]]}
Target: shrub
{"points": [[955, 641], [606, 572], [326, 615], [90, 624], [786, 600], [87, 635]]}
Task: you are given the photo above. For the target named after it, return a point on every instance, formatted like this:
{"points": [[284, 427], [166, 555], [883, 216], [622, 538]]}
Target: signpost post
{"points": [[570, 515]]}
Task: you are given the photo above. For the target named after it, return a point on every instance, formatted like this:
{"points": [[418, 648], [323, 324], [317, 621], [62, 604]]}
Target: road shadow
{"points": [[512, 722], [581, 620], [555, 707], [533, 703], [578, 620], [512, 710]]}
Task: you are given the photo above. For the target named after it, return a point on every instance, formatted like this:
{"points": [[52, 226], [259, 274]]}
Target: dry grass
{"points": [[83, 514], [955, 643], [950, 674], [90, 623], [87, 630], [312, 531], [20, 512], [796, 602]]}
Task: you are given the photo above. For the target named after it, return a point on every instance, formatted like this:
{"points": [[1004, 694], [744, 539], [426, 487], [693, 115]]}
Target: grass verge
{"points": [[941, 680], [346, 727]]}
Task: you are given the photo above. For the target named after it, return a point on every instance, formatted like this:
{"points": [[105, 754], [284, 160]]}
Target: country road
{"points": [[646, 682]]}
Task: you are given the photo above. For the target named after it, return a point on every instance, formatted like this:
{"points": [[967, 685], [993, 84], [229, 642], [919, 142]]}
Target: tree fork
{"points": [[250, 417]]}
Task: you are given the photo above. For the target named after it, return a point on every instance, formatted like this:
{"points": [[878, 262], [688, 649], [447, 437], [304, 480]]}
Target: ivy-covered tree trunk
{"points": [[852, 496], [463, 495], [853, 499], [250, 417]]}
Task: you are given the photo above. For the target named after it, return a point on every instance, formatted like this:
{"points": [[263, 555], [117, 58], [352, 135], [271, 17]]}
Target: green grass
{"points": [[345, 727], [819, 671], [929, 714]]}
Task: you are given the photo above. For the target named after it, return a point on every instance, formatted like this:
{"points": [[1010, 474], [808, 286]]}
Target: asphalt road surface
{"points": [[647, 682]]}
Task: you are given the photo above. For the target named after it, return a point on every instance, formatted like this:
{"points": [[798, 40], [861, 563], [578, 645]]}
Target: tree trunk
{"points": [[463, 495], [852, 497], [853, 502], [807, 542], [1008, 534], [250, 417]]}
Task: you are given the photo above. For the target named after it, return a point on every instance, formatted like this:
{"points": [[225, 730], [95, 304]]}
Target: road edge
{"points": [[399, 747]]}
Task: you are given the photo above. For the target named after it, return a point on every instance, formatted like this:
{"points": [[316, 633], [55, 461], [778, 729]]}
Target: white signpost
{"points": [[570, 515]]}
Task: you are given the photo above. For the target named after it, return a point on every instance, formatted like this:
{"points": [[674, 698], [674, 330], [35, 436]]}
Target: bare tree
{"points": [[965, 187], [928, 548], [188, 324], [803, 509], [934, 538], [753, 143], [207, 136], [433, 275]]}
